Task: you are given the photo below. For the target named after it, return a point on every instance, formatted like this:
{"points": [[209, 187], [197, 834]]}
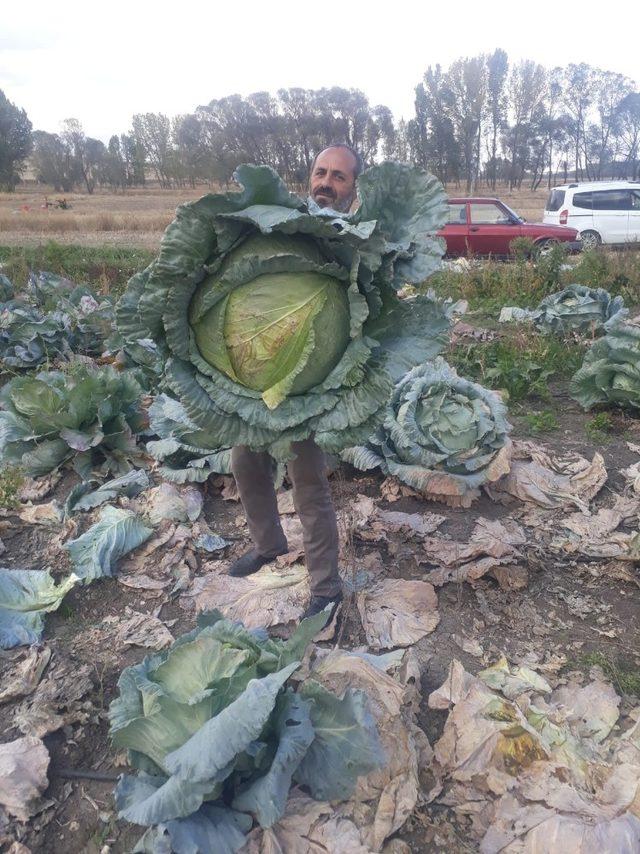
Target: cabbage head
{"points": [[610, 372], [89, 415], [575, 308], [52, 318], [443, 435], [218, 734], [275, 320]]}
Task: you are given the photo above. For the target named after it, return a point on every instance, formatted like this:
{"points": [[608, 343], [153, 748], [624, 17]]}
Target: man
{"points": [[332, 184]]}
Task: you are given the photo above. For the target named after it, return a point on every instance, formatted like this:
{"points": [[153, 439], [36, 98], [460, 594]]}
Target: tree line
{"points": [[483, 120]]}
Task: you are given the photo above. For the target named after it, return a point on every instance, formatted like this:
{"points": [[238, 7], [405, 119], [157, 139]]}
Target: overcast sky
{"points": [[101, 63]]}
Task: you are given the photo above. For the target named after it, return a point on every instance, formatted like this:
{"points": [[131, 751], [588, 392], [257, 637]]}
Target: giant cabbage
{"points": [[442, 435], [90, 415], [610, 372], [217, 734], [576, 308], [275, 319]]}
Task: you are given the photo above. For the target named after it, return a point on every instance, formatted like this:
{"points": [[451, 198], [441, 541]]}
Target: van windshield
{"points": [[555, 200]]}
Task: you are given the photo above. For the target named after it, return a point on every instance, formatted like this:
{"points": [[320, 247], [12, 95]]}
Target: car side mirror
{"points": [[523, 219]]}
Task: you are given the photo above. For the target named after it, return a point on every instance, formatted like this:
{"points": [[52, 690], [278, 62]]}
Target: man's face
{"points": [[332, 183]]}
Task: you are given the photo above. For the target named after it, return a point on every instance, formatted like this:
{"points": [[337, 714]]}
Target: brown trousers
{"points": [[253, 472]]}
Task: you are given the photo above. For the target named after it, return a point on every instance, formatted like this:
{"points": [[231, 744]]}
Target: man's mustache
{"points": [[324, 191]]}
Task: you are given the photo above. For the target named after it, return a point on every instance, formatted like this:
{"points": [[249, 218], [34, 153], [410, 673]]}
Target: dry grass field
{"points": [[137, 218]]}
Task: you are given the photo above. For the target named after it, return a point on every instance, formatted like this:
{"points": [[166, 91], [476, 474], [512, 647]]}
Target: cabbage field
{"points": [[478, 688]]}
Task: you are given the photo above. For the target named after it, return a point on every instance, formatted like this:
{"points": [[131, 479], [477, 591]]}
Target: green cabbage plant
{"points": [[575, 308], [52, 318], [275, 320], [610, 372], [89, 415], [28, 337], [184, 450], [442, 435], [218, 733]]}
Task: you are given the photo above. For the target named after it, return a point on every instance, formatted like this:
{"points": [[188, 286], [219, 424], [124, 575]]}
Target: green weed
{"points": [[527, 278], [66, 611], [523, 248], [617, 272], [625, 678], [599, 428], [11, 479], [541, 422], [520, 363], [106, 267], [549, 268]]}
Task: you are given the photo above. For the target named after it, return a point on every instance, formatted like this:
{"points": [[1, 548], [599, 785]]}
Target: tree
{"points": [[15, 142], [467, 85], [114, 171], [401, 147], [629, 113], [497, 67], [526, 91], [611, 90], [152, 132], [88, 153], [190, 148], [431, 135], [578, 96], [54, 162]]}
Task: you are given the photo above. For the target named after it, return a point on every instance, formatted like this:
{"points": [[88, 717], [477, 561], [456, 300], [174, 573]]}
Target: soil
{"points": [[568, 608]]}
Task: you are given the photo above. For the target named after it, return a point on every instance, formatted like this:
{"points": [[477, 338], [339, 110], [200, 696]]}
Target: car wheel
{"points": [[590, 239], [543, 247]]}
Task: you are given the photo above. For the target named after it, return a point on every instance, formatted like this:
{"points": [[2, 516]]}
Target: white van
{"points": [[601, 211]]}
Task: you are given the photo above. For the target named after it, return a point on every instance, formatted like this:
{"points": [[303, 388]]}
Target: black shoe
{"points": [[319, 603], [249, 563]]}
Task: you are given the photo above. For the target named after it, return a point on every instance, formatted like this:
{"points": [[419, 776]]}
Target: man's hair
{"points": [[359, 165]]}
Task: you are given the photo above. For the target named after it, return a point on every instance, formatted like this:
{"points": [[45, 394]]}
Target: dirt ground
{"points": [[569, 607]]}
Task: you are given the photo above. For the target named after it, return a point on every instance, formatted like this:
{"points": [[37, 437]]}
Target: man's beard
{"points": [[342, 206]]}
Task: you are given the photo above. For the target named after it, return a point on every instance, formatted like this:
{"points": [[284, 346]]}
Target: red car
{"points": [[487, 227]]}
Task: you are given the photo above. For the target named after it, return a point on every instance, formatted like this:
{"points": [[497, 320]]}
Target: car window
{"points": [[635, 200], [612, 200], [583, 200], [488, 214], [457, 214], [555, 200]]}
